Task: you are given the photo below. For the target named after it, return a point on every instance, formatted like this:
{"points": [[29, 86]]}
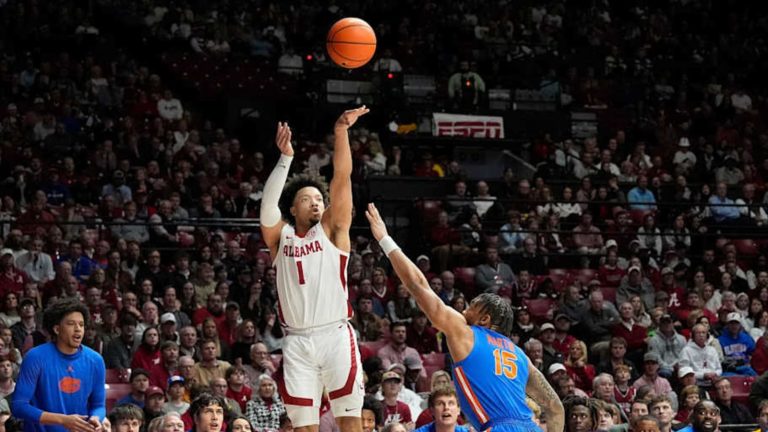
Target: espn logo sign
{"points": [[467, 126]]}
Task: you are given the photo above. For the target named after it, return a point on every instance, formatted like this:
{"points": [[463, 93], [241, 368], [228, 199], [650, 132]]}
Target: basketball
{"points": [[351, 43]]}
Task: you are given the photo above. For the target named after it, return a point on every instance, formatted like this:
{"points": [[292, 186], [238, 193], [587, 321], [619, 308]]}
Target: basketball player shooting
{"points": [[309, 245], [492, 375]]}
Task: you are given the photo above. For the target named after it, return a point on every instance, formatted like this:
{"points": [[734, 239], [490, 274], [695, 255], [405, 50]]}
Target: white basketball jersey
{"points": [[311, 279]]}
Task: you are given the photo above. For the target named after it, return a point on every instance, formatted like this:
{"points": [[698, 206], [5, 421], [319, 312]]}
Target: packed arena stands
{"points": [[621, 207]]}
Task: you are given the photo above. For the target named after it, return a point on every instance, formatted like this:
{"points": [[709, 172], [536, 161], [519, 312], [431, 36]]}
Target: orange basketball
{"points": [[351, 43]]}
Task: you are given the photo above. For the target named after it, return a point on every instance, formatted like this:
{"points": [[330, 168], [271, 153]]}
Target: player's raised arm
{"points": [[271, 218], [443, 317], [540, 391], [338, 217]]}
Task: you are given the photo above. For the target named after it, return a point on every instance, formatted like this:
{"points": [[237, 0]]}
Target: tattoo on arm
{"points": [[545, 394]]}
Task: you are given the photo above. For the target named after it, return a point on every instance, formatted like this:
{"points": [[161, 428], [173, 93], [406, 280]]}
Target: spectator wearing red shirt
{"points": [[228, 327], [446, 242], [609, 274], [563, 340], [168, 366], [670, 286], [577, 367], [759, 359], [422, 336], [147, 356], [692, 303], [36, 219], [236, 388], [394, 410], [11, 278], [628, 329], [214, 309], [379, 287]]}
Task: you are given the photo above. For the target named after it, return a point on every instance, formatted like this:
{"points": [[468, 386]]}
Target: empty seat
{"points": [[540, 309], [434, 359], [741, 386], [115, 392], [117, 376], [746, 247], [584, 275]]}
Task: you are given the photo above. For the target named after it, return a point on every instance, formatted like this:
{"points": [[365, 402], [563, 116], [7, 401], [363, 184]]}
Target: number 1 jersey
{"points": [[311, 279]]}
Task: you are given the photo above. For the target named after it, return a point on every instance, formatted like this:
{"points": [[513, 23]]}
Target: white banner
{"points": [[468, 126]]}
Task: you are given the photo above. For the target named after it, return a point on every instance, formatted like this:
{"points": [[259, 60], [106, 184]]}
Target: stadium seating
{"points": [[541, 309], [118, 376], [115, 392]]}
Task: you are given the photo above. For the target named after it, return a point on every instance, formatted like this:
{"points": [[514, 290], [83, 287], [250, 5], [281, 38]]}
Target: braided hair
{"points": [[500, 311]]}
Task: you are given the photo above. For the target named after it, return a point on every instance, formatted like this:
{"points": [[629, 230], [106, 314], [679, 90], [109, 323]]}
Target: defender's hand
{"points": [[378, 228], [349, 117], [283, 139]]}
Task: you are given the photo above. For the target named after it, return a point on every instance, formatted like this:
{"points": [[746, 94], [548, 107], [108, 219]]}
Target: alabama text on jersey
{"points": [[311, 279]]}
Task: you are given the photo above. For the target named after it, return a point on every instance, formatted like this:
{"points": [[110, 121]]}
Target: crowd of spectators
{"points": [[638, 55], [645, 244]]}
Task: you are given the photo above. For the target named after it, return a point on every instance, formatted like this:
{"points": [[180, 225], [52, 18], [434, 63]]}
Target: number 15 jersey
{"points": [[491, 382], [311, 279]]}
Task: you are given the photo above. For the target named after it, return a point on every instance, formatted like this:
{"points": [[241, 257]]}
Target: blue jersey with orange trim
{"points": [[491, 381]]}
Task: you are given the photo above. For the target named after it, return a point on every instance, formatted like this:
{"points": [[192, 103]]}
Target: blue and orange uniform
{"points": [[52, 381], [490, 384]]}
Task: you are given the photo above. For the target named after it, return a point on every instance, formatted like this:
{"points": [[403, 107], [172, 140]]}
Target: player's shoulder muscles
{"points": [[461, 338]]}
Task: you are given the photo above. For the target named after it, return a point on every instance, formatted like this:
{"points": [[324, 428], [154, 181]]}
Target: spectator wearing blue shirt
{"points": [[82, 265], [139, 385], [640, 197], [738, 347], [118, 190], [61, 383], [510, 235], [444, 406], [722, 208]]}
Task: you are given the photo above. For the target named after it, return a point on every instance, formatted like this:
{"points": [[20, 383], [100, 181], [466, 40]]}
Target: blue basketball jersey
{"points": [[491, 381]]}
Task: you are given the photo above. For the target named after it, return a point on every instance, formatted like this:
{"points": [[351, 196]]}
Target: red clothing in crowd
{"points": [[562, 346], [397, 413], [227, 333], [13, 281], [760, 357], [610, 277], [582, 376], [635, 336], [158, 375], [624, 399], [682, 415], [145, 359], [682, 315], [242, 397], [424, 342], [201, 314], [440, 236]]}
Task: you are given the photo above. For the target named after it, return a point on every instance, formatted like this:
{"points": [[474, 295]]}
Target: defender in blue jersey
{"points": [[492, 375], [61, 383]]}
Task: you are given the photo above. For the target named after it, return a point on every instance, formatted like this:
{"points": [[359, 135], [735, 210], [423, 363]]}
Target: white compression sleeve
{"points": [[270, 211]]}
